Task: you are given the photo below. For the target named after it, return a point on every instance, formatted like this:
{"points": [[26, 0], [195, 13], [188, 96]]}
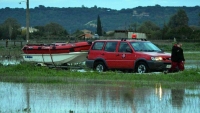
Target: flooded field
{"points": [[97, 98]]}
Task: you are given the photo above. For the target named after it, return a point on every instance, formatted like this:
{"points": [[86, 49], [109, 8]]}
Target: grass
{"points": [[27, 72], [192, 56], [187, 46]]}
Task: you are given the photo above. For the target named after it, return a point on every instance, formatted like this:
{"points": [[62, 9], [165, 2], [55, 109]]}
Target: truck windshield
{"points": [[145, 46]]}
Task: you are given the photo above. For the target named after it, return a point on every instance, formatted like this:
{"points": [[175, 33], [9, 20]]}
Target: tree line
{"points": [[177, 27], [12, 30]]}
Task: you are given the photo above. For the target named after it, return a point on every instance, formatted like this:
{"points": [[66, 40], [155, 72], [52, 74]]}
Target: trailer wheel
{"points": [[38, 64], [100, 66]]}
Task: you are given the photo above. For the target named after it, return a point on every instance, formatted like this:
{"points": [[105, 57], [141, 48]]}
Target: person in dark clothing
{"points": [[177, 58]]}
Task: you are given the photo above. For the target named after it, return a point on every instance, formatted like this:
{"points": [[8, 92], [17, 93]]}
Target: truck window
{"points": [[123, 47], [110, 46], [98, 46], [145, 46]]}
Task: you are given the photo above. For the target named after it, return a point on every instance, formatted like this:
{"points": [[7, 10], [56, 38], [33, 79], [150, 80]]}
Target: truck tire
{"points": [[100, 66], [142, 67]]}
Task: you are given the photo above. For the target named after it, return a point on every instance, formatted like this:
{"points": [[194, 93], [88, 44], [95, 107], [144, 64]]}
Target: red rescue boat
{"points": [[56, 48], [56, 53]]}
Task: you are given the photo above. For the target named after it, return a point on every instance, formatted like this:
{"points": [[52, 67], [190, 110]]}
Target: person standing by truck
{"points": [[177, 58]]}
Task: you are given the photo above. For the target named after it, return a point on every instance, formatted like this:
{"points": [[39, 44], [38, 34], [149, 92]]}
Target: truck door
{"points": [[110, 53], [125, 57]]}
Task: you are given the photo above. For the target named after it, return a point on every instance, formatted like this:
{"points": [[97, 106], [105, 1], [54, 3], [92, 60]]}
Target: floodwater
{"points": [[7, 62], [96, 98]]}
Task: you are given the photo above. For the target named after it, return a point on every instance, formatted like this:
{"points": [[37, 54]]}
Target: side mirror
{"points": [[162, 51]]}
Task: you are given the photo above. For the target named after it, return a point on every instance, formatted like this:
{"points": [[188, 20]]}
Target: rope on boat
{"points": [[43, 58], [51, 57]]}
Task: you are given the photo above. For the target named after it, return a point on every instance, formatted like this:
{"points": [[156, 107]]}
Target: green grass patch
{"points": [[27, 72], [192, 56], [167, 45]]}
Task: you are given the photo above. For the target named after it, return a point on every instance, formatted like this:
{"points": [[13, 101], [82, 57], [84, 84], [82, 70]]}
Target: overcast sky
{"points": [[113, 4]]}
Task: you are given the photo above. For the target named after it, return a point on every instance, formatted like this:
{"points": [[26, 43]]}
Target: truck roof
{"points": [[128, 40]]}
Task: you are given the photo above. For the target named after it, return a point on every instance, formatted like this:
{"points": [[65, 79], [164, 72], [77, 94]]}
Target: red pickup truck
{"points": [[136, 55]]}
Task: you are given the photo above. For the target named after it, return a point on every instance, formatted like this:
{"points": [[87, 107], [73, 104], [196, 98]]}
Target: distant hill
{"points": [[85, 18]]}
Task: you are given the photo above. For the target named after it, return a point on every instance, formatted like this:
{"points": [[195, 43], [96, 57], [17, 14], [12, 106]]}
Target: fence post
{"points": [[7, 43], [21, 44]]}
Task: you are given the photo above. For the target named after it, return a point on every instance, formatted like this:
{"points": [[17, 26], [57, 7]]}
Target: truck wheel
{"points": [[142, 67], [100, 66]]}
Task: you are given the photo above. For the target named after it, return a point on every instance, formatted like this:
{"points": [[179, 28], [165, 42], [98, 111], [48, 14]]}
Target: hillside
{"points": [[85, 18]]}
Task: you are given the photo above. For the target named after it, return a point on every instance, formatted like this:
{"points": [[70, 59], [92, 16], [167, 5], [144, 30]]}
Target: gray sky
{"points": [[113, 4]]}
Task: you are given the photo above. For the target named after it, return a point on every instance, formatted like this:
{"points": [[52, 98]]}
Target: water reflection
{"points": [[94, 98], [7, 62], [158, 90], [177, 97]]}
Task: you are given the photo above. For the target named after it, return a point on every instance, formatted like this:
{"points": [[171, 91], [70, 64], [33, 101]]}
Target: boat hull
{"points": [[56, 48], [57, 59]]}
